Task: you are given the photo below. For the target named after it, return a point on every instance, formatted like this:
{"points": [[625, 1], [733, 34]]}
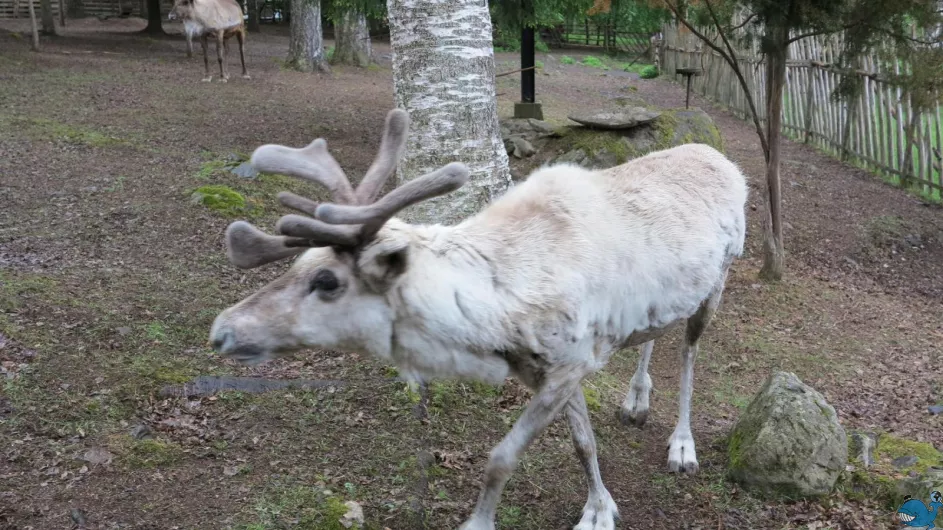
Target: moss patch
{"points": [[299, 507], [219, 198], [890, 447], [145, 454]]}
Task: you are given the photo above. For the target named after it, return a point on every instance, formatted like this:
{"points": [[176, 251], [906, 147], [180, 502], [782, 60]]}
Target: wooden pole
{"points": [[32, 19], [528, 76], [62, 13]]}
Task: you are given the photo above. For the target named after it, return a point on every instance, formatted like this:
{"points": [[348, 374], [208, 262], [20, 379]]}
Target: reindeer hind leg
{"points": [[220, 56]]}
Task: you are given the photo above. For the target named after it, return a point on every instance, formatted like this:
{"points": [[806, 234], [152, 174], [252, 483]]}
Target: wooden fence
{"points": [[599, 36], [876, 130]]}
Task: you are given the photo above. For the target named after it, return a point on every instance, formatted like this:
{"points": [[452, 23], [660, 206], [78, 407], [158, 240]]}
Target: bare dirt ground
{"points": [[110, 278]]}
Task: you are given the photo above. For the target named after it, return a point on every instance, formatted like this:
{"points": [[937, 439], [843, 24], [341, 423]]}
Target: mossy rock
{"points": [[219, 198], [888, 483], [597, 149], [788, 442]]}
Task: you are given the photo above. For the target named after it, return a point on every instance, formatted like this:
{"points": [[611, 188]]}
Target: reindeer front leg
{"points": [[556, 391], [206, 57]]}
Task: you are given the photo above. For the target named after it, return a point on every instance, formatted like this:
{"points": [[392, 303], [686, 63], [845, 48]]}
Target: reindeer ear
{"points": [[381, 263]]}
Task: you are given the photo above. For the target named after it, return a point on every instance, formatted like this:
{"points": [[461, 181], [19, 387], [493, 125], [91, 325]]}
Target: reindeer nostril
{"points": [[223, 339]]}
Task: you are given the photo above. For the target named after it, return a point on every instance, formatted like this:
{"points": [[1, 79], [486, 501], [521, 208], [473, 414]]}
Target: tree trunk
{"points": [[443, 76], [306, 45], [49, 21], [773, 251], [32, 19], [351, 39], [252, 9], [154, 20]]}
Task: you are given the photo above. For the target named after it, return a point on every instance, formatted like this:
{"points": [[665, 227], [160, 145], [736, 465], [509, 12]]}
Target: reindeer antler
{"points": [[355, 216]]}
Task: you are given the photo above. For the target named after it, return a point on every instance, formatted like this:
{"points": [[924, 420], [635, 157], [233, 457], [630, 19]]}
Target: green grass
{"points": [[566, 59]]}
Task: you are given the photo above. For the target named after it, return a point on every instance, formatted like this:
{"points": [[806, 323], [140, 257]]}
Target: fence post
{"points": [[809, 98], [850, 115]]}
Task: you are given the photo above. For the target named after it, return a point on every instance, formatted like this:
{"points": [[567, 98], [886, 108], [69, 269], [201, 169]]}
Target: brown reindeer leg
{"points": [[189, 46], [206, 57], [220, 49], [241, 37]]}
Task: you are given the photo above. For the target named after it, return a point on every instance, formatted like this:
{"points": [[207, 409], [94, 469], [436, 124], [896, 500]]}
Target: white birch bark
{"points": [[443, 76], [306, 44], [352, 39]]}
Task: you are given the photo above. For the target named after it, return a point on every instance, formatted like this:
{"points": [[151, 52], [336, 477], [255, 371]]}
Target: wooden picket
{"points": [[870, 131]]}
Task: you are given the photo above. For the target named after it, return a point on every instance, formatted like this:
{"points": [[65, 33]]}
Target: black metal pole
{"points": [[528, 78]]}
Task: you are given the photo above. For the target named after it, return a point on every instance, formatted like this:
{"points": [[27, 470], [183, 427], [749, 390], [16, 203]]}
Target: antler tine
{"points": [[248, 247], [447, 179], [391, 150], [318, 233], [297, 202], [312, 162]]}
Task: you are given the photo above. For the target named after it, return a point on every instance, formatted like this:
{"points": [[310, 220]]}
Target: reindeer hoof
{"points": [[223, 79], [207, 79], [246, 76]]}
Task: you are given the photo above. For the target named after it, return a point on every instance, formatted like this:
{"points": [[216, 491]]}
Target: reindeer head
{"points": [[181, 9], [333, 296]]}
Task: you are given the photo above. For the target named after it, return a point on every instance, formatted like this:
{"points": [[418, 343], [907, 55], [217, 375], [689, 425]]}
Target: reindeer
{"points": [[543, 284], [220, 18]]}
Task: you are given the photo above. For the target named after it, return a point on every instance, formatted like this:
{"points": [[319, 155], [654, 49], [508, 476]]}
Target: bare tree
{"points": [[351, 39], [32, 19], [306, 44], [49, 21]]}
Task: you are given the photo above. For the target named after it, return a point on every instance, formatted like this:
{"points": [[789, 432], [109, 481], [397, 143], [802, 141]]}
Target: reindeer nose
{"points": [[223, 340]]}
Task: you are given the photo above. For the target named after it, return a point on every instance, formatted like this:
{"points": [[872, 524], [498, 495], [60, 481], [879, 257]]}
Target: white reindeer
{"points": [[545, 284]]}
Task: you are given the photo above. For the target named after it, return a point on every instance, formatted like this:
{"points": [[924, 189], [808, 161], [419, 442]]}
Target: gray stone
{"points": [[788, 441], [522, 148], [140, 431], [542, 127], [622, 119], [904, 461], [862, 446], [921, 484], [612, 147], [245, 170], [576, 156], [935, 409], [206, 385]]}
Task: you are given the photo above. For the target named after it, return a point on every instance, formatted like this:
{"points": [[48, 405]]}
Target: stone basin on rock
{"points": [[616, 120]]}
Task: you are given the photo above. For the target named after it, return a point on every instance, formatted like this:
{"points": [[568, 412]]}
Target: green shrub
{"points": [[566, 59], [649, 72], [594, 62]]}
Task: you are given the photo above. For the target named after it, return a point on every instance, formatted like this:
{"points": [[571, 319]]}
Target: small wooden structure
{"points": [[688, 73]]}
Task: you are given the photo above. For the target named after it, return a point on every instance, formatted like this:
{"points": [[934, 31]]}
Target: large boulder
{"points": [[788, 441], [600, 149]]}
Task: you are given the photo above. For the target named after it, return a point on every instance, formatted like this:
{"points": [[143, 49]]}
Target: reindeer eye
{"points": [[324, 281]]}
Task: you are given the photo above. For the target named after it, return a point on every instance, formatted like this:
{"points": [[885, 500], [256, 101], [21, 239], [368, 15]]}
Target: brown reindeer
{"points": [[220, 18]]}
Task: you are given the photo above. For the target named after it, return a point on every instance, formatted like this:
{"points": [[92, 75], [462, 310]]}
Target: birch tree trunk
{"points": [[32, 19], [351, 39], [306, 44], [443, 76], [49, 21]]}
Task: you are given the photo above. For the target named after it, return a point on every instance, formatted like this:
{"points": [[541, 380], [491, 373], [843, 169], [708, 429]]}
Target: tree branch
{"points": [[744, 23], [731, 60]]}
